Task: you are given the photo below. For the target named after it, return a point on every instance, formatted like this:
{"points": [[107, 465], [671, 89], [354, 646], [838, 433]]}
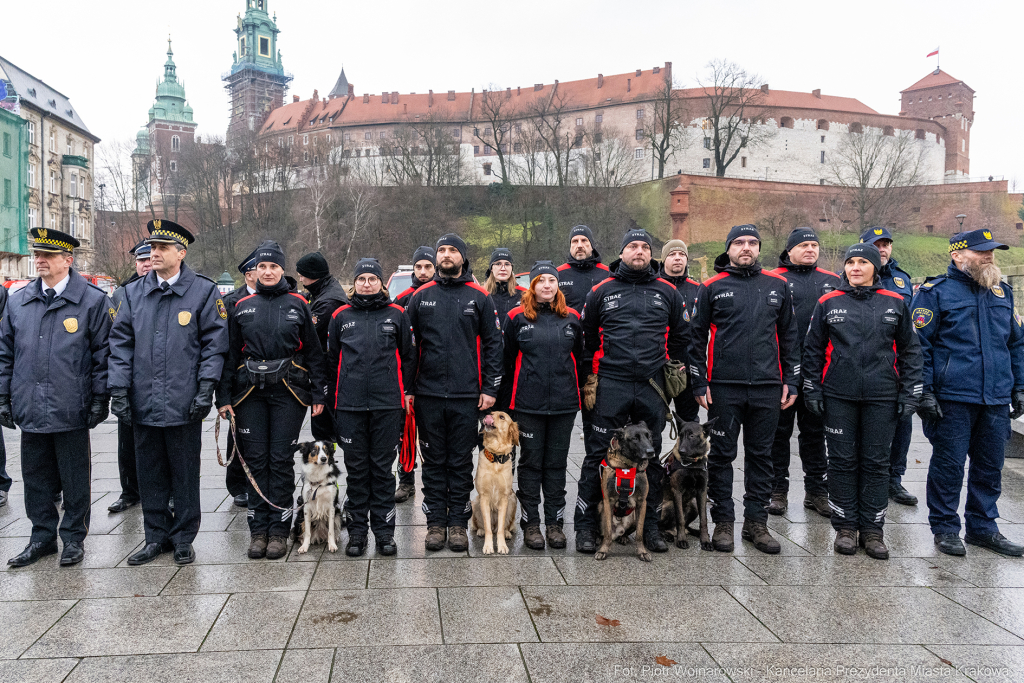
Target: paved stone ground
{"points": [[531, 616]]}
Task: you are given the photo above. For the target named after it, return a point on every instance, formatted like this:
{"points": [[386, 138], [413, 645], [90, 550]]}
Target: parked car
{"points": [[399, 281], [523, 279]]}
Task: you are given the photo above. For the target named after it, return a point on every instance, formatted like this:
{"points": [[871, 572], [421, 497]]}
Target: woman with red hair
{"points": [[543, 340]]}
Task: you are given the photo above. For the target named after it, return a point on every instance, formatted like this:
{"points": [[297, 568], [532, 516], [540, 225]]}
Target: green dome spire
{"points": [[170, 102]]}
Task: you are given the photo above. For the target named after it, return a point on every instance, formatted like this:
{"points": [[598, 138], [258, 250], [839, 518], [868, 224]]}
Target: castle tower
{"points": [[159, 145], [257, 82], [950, 102]]}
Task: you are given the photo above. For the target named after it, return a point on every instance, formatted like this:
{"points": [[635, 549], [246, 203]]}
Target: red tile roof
{"points": [[935, 78], [787, 99]]}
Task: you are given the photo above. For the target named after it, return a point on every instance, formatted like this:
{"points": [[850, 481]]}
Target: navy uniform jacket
{"points": [[53, 360], [971, 340], [896, 280], [163, 343]]}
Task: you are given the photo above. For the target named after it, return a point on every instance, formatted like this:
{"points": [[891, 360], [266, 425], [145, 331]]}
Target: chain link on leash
{"points": [[236, 453]]}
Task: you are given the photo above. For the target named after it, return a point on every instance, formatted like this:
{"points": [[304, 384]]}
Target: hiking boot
{"points": [[458, 541], [556, 537], [724, 538], [757, 533], [950, 544], [586, 541], [898, 494], [258, 546], [779, 504], [532, 537], [405, 491], [846, 542], [435, 538], [819, 503], [655, 542], [386, 545], [277, 547], [356, 546], [997, 543], [873, 545]]}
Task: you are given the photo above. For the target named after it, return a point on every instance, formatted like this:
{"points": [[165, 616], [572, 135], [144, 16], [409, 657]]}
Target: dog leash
{"points": [[671, 417], [236, 453]]}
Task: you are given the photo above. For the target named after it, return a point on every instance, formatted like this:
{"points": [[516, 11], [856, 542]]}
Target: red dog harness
{"points": [[625, 485]]}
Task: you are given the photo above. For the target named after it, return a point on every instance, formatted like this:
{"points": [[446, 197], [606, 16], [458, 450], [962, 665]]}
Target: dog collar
{"points": [[494, 457]]}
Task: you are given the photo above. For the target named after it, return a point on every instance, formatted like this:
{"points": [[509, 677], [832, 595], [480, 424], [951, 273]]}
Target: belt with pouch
{"points": [[265, 373]]}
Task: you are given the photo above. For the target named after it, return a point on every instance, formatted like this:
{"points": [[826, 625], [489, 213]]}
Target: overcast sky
{"points": [[107, 55]]}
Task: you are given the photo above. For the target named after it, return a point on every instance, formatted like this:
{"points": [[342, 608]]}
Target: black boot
{"points": [[655, 542], [586, 541], [898, 494]]}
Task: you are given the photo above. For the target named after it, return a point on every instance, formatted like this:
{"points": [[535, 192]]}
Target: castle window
{"points": [[488, 150], [639, 113], [348, 136], [963, 144], [174, 166], [328, 138], [640, 134], [517, 147], [929, 228], [487, 132], [823, 139], [919, 134], [821, 182], [291, 140], [638, 153], [579, 122], [597, 155], [305, 155], [383, 134], [578, 140], [487, 169], [175, 143], [305, 139], [856, 127], [786, 122], [888, 130], [598, 119], [280, 142], [519, 126], [822, 156], [707, 163], [456, 132], [476, 149], [707, 143], [368, 136], [743, 162], [598, 138], [264, 46], [822, 124]]}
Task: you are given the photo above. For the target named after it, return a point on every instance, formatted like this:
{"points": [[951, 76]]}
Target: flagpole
{"points": [[938, 57]]}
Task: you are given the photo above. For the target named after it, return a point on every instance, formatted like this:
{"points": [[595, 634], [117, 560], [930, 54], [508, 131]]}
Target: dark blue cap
{"points": [[637, 235], [872, 235], [248, 264], [168, 232], [745, 230], [371, 266], [543, 268], [141, 251], [424, 254], [867, 251], [975, 240]]}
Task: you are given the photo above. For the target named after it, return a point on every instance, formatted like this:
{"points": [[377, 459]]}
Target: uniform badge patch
{"points": [[71, 325], [899, 282], [922, 316], [998, 291], [987, 235], [1016, 316], [221, 310], [315, 321], [184, 318], [113, 313], [686, 316]]}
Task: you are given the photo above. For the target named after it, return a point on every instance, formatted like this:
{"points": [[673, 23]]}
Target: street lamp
{"points": [[960, 219]]}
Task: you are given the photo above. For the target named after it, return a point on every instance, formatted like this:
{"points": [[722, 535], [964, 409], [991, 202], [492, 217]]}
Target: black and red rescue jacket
{"points": [[541, 360]]}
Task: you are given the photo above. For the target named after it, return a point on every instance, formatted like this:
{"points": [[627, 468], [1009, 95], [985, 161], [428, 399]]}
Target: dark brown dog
{"points": [[624, 486], [686, 485]]}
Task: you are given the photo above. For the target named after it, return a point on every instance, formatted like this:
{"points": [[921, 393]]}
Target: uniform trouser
{"points": [[268, 424], [686, 406], [544, 452], [234, 476], [50, 463], [980, 433], [859, 435], [168, 464], [617, 403], [5, 479], [126, 468], [370, 439], [322, 426], [812, 450], [448, 433], [900, 448], [756, 410]]}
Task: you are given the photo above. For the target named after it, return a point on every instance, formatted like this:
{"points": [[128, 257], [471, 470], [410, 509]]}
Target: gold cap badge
{"points": [[71, 325], [987, 235], [184, 318]]}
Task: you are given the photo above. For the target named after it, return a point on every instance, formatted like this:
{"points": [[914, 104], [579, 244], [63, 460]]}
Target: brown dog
{"points": [[494, 508], [686, 485], [624, 486]]}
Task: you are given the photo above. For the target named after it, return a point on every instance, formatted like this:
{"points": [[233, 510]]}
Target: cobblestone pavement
{"points": [[530, 616]]}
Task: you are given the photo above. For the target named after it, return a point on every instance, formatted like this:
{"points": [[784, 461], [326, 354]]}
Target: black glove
{"points": [[203, 402], [815, 406], [1018, 404], [99, 410], [120, 407], [929, 408], [901, 410], [6, 412]]}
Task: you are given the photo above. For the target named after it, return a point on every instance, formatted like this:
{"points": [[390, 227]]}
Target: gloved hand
{"points": [[6, 412], [929, 408], [901, 410], [1017, 399], [203, 402], [120, 406], [99, 410], [815, 406]]}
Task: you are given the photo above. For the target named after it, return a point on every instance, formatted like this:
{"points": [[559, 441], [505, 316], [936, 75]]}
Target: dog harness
{"points": [[500, 459], [672, 464], [625, 485]]}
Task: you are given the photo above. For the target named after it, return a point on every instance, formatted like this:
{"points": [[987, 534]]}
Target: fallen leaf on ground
{"points": [[665, 661], [917, 461], [946, 661], [603, 621]]}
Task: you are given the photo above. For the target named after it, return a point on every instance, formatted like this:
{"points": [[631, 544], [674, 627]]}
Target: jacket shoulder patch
{"points": [[222, 311], [922, 316]]}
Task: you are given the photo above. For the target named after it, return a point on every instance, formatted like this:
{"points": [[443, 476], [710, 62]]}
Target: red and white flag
{"points": [[932, 53]]}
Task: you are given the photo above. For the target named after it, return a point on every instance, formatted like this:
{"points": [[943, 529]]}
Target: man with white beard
{"points": [[973, 348]]}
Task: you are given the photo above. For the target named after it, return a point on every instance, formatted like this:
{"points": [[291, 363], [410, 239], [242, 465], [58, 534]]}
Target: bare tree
{"points": [[550, 118], [363, 202], [879, 172], [122, 213], [665, 124], [497, 112], [609, 159], [735, 112]]}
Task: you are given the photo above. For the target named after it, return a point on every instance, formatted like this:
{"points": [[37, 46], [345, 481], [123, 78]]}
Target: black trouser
{"points": [[168, 464], [370, 440], [51, 463], [859, 435], [234, 475], [448, 434], [755, 409], [268, 424], [322, 426], [5, 479], [812, 450], [618, 403], [126, 468], [900, 448], [686, 406], [544, 452]]}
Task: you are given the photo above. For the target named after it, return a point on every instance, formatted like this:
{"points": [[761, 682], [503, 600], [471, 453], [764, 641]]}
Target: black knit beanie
{"points": [[270, 251], [371, 266], [314, 266]]}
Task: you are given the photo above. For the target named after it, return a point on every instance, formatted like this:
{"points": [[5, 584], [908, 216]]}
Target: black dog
{"points": [[624, 486], [686, 485]]}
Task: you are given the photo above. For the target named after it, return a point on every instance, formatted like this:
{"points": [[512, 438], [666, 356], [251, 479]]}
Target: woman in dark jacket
{"points": [[275, 369], [501, 282], [543, 340], [862, 372], [370, 351]]}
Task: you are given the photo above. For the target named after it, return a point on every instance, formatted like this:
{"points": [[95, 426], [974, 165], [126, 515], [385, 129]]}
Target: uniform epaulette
{"points": [[101, 291], [930, 282], [205, 278]]}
